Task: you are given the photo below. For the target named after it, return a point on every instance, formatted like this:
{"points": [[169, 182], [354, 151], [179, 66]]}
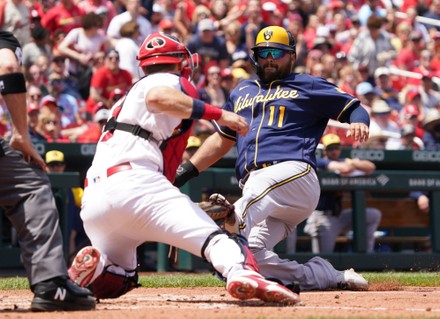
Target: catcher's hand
{"points": [[219, 209]]}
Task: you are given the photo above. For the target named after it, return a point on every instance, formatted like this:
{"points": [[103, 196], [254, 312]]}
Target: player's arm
{"points": [[212, 149], [363, 165], [173, 102], [359, 121]]}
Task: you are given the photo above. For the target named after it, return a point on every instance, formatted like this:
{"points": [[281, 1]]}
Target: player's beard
{"points": [[269, 72]]}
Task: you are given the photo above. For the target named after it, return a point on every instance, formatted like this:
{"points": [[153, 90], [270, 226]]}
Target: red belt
{"points": [[113, 170]]}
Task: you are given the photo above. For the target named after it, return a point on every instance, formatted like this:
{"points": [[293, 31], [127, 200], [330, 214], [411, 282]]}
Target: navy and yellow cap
{"points": [[275, 37]]}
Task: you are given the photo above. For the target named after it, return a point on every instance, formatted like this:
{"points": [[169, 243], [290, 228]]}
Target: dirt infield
{"points": [[198, 303]]}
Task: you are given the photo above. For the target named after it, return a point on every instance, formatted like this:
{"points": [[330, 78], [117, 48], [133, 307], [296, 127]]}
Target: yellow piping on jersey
{"points": [[265, 192], [223, 132], [261, 122], [345, 107], [250, 124]]}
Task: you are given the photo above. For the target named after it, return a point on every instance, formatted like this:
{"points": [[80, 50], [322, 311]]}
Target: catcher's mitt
{"points": [[219, 209]]}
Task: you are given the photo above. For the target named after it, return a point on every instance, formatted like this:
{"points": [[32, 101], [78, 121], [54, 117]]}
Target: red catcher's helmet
{"points": [[160, 48]]}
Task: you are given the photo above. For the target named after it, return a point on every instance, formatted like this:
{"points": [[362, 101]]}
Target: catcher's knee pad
{"points": [[12, 83], [111, 285]]}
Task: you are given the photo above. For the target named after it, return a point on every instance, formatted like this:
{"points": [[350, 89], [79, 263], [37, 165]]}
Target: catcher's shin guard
{"points": [[249, 259], [111, 285]]}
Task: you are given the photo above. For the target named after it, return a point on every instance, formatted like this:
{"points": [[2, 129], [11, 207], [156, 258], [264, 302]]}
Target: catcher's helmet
{"points": [[275, 37], [161, 48]]}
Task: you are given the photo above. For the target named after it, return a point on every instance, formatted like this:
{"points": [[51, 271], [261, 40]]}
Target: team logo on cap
{"points": [[155, 43], [268, 34]]}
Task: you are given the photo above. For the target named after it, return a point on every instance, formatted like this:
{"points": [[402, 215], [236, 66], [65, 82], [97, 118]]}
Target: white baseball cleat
{"points": [[84, 265], [352, 281], [255, 286]]}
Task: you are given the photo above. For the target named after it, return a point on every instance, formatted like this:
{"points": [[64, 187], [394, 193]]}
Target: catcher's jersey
{"points": [[126, 147], [286, 119]]}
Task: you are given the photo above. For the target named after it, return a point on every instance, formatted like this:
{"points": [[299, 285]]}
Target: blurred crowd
{"points": [[79, 58]]}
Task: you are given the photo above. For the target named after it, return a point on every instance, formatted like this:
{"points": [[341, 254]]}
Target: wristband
{"points": [[202, 110], [198, 109], [185, 172], [212, 113]]}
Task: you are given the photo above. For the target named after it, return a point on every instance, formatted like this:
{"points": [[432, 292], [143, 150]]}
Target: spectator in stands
{"points": [[401, 39], [366, 94], [35, 76], [94, 129], [208, 45], [132, 13], [167, 26], [385, 89], [329, 220], [253, 23], [409, 57], [49, 126], [15, 19], [70, 115], [318, 70], [237, 50], [409, 140], [62, 17], [106, 79], [34, 94], [368, 9], [313, 57], [115, 95], [156, 16], [424, 67], [80, 45], [227, 80], [183, 19], [75, 230], [372, 47], [128, 49], [212, 92], [105, 8], [58, 67], [381, 123], [433, 13], [430, 96], [431, 125], [33, 111], [38, 46], [329, 63], [410, 115], [294, 23], [412, 96]]}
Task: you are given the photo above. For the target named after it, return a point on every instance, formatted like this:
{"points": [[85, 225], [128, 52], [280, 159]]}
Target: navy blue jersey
{"points": [[286, 119]]}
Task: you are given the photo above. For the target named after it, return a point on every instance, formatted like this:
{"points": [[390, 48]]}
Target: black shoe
{"points": [[60, 294]]}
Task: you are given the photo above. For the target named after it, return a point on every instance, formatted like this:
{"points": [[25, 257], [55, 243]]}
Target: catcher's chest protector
{"points": [[174, 148]]}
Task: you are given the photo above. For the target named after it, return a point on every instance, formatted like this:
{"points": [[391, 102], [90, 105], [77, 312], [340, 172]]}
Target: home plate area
{"points": [[398, 302]]}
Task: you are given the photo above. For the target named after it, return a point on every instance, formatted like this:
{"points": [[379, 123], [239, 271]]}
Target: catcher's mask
{"points": [[272, 37], [161, 48]]}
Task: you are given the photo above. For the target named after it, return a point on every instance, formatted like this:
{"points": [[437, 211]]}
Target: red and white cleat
{"points": [[84, 265], [255, 286]]}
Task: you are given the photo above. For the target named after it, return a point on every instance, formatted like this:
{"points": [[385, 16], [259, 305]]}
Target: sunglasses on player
{"points": [[274, 52]]}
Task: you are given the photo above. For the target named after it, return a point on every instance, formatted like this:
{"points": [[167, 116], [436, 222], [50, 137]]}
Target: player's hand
{"points": [[234, 122], [23, 144], [358, 131]]}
